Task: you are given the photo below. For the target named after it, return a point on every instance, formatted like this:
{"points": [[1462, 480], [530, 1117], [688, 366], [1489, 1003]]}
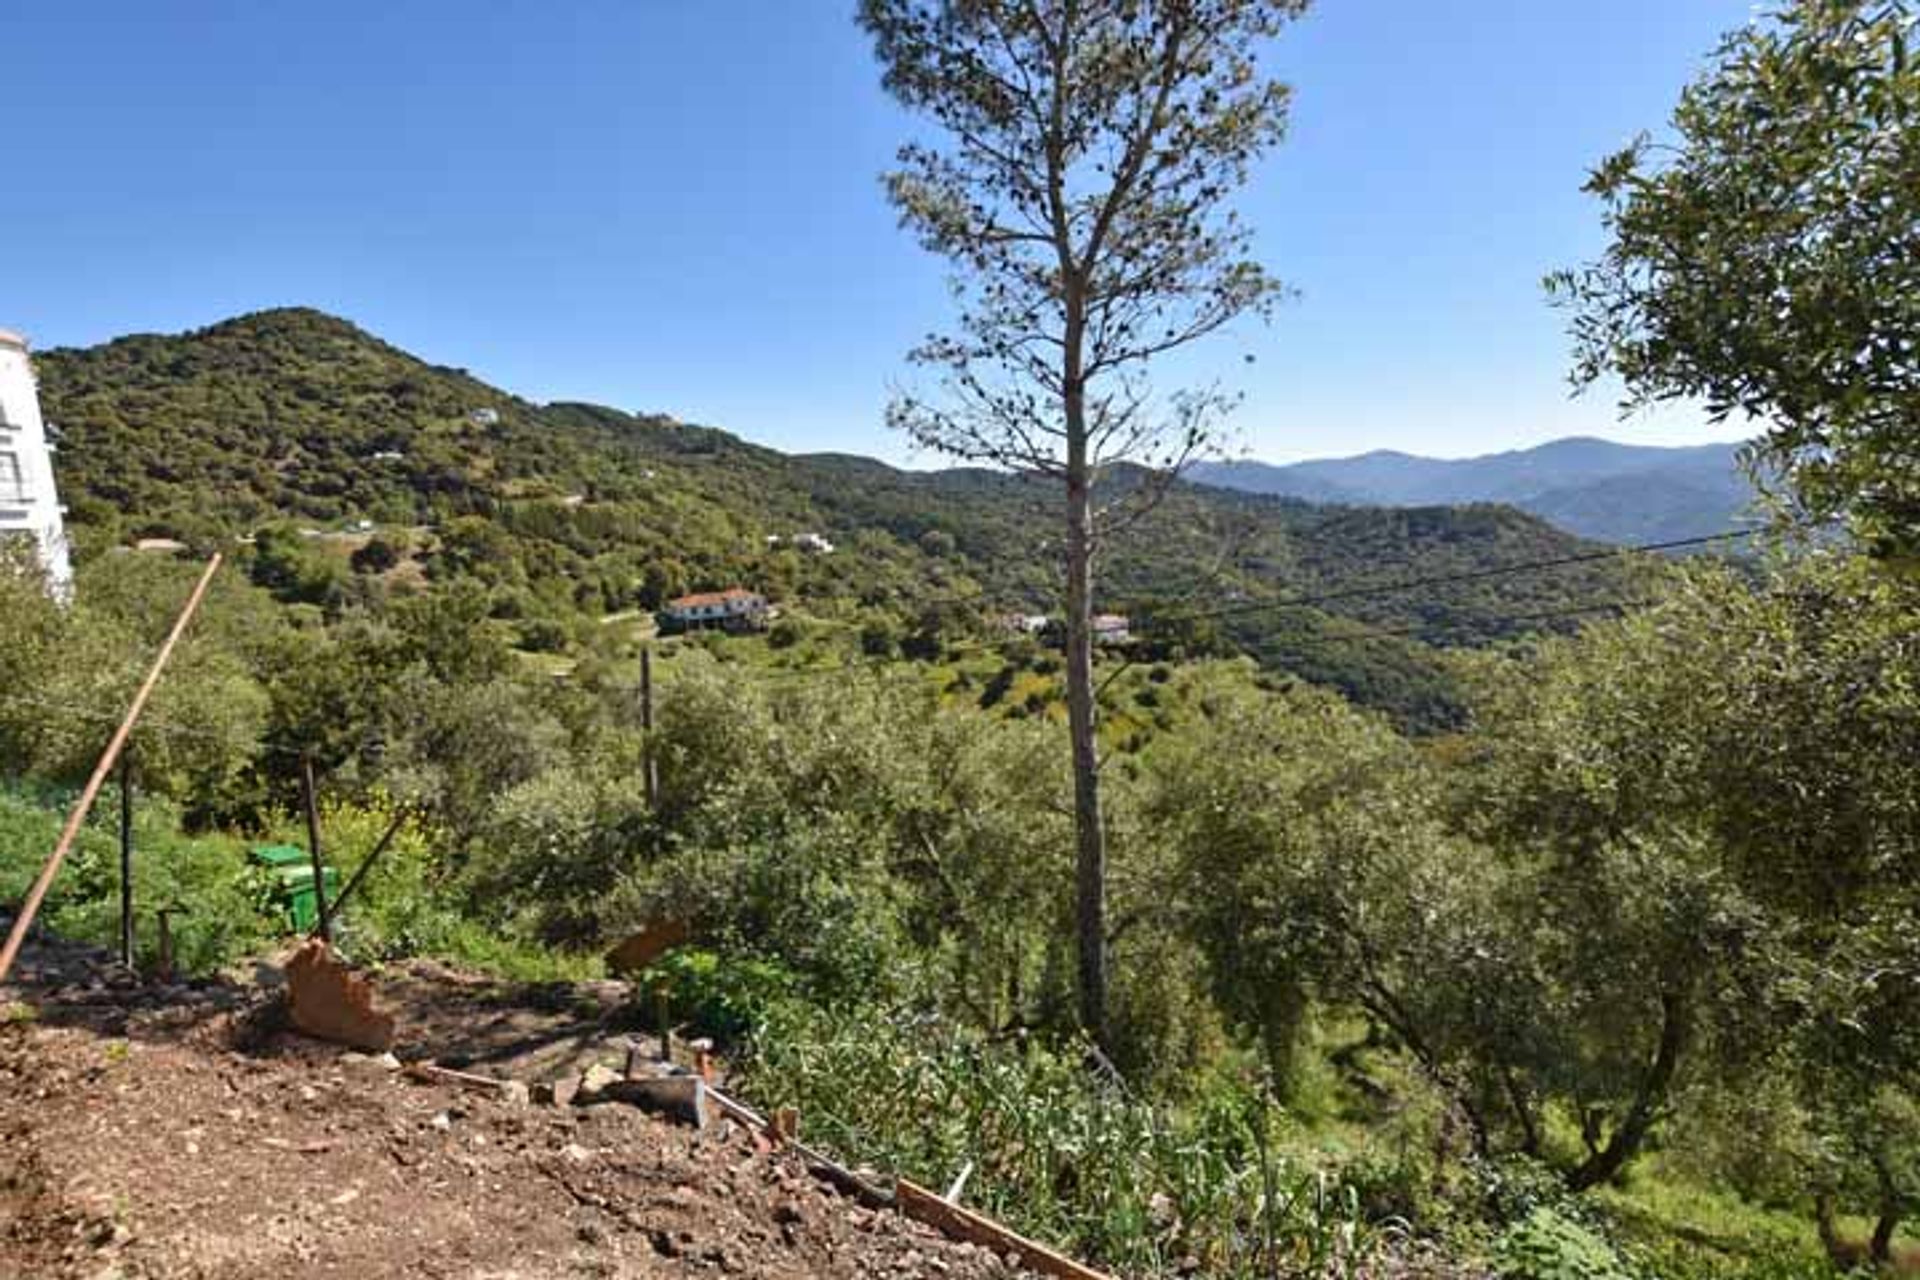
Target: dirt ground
{"points": [[137, 1140]]}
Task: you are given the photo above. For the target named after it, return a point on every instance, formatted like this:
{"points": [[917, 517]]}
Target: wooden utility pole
{"points": [[313, 847], [126, 858], [84, 806], [649, 766]]}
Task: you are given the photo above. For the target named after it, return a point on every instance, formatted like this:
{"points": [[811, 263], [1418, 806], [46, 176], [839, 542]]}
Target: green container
{"points": [[279, 855], [291, 870], [303, 911]]}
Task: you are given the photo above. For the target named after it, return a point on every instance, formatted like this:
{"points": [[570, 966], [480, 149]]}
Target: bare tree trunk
{"points": [[1880, 1247], [1090, 863], [1626, 1140], [1523, 1111], [1826, 1222]]}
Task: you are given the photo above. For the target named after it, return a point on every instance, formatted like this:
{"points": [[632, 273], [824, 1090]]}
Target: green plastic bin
{"points": [[292, 872]]}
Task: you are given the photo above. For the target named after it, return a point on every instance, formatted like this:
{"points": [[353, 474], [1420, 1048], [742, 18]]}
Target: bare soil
{"points": [[138, 1138]]}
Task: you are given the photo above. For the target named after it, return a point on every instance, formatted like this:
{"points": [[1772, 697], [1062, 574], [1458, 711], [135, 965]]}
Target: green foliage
{"points": [[725, 995], [1548, 1246], [285, 425], [1059, 1154], [1764, 261]]}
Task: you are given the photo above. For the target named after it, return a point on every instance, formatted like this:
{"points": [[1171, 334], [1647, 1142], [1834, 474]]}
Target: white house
{"points": [[813, 543], [1112, 628], [735, 609], [28, 503]]}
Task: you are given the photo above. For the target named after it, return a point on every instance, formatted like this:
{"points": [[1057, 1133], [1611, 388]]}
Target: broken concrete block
{"points": [[557, 1093], [329, 1001]]}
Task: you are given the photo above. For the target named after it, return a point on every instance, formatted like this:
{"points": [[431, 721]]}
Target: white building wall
{"points": [[28, 500]]}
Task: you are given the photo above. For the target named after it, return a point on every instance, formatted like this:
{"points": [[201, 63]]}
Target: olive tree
{"points": [[1078, 179], [1767, 260], [1761, 740]]}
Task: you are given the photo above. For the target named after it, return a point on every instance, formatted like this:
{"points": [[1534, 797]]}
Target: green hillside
{"points": [[572, 512]]}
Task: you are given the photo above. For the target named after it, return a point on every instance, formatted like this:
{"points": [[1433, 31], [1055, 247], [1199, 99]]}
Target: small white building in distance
{"points": [[28, 503]]}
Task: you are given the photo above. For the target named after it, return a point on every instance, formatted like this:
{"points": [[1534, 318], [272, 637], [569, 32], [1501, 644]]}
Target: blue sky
{"points": [[675, 206]]}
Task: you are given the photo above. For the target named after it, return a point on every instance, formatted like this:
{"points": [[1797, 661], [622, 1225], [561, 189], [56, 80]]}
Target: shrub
{"points": [[1058, 1149], [1549, 1246]]}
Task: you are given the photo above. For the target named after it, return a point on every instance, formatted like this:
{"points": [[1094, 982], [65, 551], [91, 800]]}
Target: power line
{"points": [[1473, 575]]}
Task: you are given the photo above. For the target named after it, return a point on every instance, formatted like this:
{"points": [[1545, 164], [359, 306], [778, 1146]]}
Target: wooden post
{"points": [[38, 893], [163, 966], [126, 859], [650, 767], [313, 846]]}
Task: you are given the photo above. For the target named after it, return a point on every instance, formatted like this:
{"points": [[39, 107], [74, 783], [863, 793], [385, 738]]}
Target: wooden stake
{"points": [[353, 881], [126, 859], [108, 759], [650, 767], [324, 926]]}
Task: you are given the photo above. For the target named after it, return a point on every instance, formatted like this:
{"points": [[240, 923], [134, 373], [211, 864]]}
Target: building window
{"points": [[13, 485]]}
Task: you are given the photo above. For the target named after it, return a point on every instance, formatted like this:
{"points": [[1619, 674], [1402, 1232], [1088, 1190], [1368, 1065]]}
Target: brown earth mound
{"points": [[137, 1141]]}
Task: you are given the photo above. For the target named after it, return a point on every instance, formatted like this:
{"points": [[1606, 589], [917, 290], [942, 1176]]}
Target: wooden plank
{"points": [[965, 1225]]}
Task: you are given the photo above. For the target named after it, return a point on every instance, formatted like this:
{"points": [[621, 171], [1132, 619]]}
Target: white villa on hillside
{"points": [[735, 609], [28, 502]]}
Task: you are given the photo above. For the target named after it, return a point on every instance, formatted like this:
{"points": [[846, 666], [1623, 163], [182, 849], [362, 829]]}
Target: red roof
{"points": [[702, 598]]}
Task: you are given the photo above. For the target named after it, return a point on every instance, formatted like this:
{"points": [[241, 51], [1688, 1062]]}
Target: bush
{"points": [[1549, 1246], [725, 996]]}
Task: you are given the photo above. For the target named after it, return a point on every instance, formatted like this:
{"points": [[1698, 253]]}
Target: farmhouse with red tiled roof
{"points": [[735, 609]]}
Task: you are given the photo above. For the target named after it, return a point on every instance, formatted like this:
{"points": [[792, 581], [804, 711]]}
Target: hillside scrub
{"points": [[290, 427], [1671, 862]]}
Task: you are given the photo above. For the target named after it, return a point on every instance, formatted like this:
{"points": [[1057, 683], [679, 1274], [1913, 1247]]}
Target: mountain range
{"points": [[1595, 488]]}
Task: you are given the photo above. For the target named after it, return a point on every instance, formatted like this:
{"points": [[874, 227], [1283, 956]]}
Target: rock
{"points": [[370, 1062], [563, 1091], [598, 1078]]}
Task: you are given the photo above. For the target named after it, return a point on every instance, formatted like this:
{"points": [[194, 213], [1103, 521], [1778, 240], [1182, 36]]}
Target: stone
{"points": [[598, 1079]]}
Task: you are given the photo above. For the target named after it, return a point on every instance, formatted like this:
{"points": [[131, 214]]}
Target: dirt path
{"points": [[135, 1141]]}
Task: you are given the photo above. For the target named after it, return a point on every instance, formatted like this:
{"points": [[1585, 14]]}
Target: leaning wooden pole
{"points": [[101, 772]]}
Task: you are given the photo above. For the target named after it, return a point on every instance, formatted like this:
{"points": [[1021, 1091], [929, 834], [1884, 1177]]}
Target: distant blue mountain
{"points": [[1595, 488]]}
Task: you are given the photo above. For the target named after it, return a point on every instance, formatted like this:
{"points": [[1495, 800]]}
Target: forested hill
{"points": [[1594, 488], [567, 511]]}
